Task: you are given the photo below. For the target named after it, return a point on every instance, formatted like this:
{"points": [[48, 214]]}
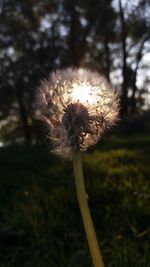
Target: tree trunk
{"points": [[107, 56], [23, 115], [73, 35], [134, 90], [124, 97]]}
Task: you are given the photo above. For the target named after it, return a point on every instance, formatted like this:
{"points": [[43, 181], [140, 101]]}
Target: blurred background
{"points": [[40, 224]]}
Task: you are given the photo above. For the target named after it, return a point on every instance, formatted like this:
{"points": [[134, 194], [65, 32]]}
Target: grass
{"points": [[40, 223]]}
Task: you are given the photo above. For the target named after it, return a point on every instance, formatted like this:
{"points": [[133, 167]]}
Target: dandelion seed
{"points": [[78, 106]]}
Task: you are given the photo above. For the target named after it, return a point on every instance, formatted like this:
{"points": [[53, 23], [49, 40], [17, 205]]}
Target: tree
{"points": [[124, 95]]}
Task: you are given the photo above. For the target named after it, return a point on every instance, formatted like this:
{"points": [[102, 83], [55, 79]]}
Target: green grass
{"points": [[40, 223]]}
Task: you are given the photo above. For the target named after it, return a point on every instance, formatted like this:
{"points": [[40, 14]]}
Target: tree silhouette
{"points": [[39, 36]]}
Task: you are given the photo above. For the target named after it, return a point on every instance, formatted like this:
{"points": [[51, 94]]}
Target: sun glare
{"points": [[83, 94]]}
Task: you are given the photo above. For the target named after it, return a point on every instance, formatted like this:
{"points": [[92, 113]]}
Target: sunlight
{"points": [[83, 94]]}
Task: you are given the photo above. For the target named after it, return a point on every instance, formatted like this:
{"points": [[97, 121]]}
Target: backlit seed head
{"points": [[78, 106]]}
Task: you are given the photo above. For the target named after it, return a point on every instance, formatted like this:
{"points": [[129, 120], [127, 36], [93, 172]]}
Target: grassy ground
{"points": [[40, 224]]}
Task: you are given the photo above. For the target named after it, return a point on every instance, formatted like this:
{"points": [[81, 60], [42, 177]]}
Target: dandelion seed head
{"points": [[78, 106]]}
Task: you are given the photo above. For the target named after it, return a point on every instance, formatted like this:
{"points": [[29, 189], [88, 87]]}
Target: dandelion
{"points": [[78, 106]]}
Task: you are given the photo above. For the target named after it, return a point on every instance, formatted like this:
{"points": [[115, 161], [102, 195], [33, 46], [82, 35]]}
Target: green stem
{"points": [[85, 212]]}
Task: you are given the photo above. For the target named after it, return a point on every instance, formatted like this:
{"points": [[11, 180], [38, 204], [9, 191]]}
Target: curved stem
{"points": [[85, 212]]}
